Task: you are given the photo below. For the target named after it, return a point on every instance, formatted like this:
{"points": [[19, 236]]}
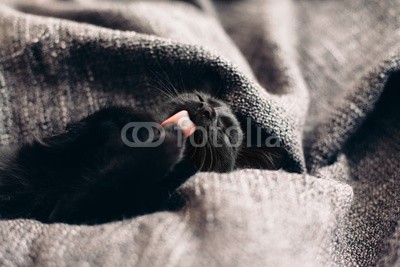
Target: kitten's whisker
{"points": [[169, 96], [167, 88], [194, 153], [183, 87], [161, 81], [161, 88], [203, 161], [167, 78], [211, 149], [219, 87]]}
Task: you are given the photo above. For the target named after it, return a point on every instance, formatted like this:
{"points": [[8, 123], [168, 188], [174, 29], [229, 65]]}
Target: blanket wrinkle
{"points": [[322, 76]]}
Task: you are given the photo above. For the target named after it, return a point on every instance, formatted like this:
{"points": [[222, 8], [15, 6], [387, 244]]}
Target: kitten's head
{"points": [[215, 144]]}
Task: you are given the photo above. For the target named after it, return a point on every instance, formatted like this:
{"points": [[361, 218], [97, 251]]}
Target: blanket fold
{"points": [[321, 76]]}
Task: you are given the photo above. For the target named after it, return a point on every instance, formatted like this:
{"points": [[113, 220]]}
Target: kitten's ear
{"points": [[270, 158]]}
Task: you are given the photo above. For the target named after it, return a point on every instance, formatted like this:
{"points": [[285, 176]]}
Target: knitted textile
{"points": [[322, 76]]}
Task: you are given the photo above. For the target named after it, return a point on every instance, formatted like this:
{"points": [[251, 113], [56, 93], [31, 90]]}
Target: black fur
{"points": [[87, 174]]}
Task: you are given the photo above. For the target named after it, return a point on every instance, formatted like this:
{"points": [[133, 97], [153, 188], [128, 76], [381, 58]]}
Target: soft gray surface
{"points": [[272, 61]]}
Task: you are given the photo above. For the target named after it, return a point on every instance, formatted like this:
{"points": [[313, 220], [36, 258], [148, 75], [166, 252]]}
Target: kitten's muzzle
{"points": [[203, 115], [207, 111]]}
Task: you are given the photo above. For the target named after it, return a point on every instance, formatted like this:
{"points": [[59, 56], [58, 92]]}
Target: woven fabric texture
{"points": [[322, 76]]}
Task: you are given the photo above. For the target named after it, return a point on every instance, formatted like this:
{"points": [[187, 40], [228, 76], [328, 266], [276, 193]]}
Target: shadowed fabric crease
{"points": [[321, 76]]}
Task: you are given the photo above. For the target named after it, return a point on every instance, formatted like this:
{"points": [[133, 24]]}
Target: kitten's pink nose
{"points": [[182, 119]]}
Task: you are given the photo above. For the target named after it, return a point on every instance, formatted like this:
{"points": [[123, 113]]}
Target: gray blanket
{"points": [[322, 76]]}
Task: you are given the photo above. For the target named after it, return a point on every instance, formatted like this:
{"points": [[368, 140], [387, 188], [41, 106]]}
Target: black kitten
{"points": [[88, 174], [215, 144]]}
